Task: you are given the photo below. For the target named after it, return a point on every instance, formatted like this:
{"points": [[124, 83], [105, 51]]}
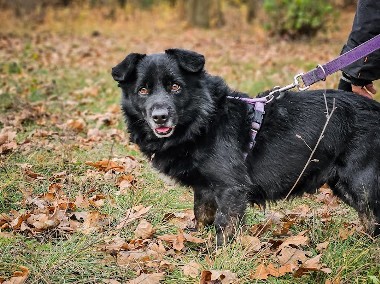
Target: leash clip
{"points": [[298, 82]]}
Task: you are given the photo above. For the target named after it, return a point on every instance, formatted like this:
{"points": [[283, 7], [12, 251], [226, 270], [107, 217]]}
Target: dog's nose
{"points": [[160, 116]]}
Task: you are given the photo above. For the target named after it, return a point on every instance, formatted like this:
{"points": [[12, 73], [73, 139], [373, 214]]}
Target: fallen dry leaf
{"points": [[77, 125], [7, 140], [176, 240], [29, 173], [312, 264], [193, 239], [132, 215], [327, 197], [106, 165], [262, 272], [251, 243], [322, 246], [293, 256], [153, 278], [144, 230], [191, 269], [97, 200], [19, 277], [298, 240], [111, 281], [217, 277], [182, 220], [344, 233]]}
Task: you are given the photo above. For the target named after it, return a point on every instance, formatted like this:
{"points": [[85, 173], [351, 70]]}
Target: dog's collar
{"points": [[258, 115]]}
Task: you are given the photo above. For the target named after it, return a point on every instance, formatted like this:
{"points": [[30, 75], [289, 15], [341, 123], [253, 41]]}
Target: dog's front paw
{"points": [[227, 229]]}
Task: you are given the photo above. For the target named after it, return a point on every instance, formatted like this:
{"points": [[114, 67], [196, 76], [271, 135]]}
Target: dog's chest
{"points": [[184, 168]]}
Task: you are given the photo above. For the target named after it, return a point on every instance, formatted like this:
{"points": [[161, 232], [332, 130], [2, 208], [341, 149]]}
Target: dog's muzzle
{"points": [[162, 122]]}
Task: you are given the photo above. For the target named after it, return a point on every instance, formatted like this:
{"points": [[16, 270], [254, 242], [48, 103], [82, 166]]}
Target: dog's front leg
{"points": [[204, 207], [229, 215]]}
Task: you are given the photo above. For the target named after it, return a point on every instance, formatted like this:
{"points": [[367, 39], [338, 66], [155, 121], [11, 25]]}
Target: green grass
{"points": [[53, 91]]}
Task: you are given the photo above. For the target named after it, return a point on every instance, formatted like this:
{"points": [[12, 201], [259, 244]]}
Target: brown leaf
{"points": [[293, 256], [312, 264], [251, 243], [191, 269], [106, 165], [298, 240], [19, 277], [216, 276], [42, 222], [153, 278], [111, 281], [144, 230], [28, 172], [7, 140], [158, 248], [175, 240], [259, 229], [322, 246], [193, 239], [81, 201], [114, 245], [327, 197], [182, 220], [124, 182], [344, 233], [262, 272], [6, 135], [166, 265], [130, 258], [77, 125], [16, 223], [132, 215], [97, 200]]}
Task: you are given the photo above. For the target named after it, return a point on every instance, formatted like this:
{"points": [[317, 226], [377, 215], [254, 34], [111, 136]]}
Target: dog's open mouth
{"points": [[163, 131]]}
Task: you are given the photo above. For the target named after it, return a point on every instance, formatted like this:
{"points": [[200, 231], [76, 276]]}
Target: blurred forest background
{"points": [[301, 16]]}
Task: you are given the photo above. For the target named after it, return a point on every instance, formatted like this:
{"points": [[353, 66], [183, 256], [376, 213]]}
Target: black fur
{"points": [[210, 136]]}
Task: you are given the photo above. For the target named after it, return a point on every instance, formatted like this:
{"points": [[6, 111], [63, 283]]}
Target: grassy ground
{"points": [[58, 96]]}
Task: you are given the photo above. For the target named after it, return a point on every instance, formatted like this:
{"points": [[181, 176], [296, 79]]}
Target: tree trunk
{"points": [[216, 14], [252, 6], [204, 13]]}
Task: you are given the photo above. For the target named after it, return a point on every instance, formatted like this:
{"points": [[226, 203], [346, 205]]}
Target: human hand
{"points": [[366, 91]]}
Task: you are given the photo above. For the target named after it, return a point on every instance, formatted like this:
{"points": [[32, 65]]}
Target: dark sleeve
{"points": [[366, 25]]}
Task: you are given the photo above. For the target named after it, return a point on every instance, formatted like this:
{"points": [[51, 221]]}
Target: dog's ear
{"points": [[187, 59], [125, 68]]}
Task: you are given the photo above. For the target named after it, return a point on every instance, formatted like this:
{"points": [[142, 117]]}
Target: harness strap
{"points": [[258, 115]]}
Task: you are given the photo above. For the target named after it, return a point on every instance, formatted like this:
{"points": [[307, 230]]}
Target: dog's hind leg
{"points": [[204, 207], [361, 194]]}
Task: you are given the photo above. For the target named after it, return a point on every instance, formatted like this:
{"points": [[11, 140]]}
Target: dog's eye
{"points": [[143, 91], [175, 88]]}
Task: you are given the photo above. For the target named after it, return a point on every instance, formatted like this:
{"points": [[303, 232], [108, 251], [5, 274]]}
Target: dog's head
{"points": [[161, 89]]}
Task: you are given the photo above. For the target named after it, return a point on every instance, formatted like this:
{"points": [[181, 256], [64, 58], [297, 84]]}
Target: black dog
{"points": [[180, 117]]}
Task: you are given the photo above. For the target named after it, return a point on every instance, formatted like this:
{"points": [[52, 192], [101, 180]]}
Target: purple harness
{"points": [[257, 120], [317, 74]]}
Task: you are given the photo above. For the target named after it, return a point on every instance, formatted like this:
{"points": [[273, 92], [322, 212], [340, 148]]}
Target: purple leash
{"points": [[317, 74], [322, 71]]}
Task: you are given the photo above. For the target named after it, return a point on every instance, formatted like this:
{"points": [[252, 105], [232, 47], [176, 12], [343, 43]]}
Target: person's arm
{"points": [[358, 76]]}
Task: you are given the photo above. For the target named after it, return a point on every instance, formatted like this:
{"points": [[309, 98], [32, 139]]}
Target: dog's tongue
{"points": [[162, 129]]}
